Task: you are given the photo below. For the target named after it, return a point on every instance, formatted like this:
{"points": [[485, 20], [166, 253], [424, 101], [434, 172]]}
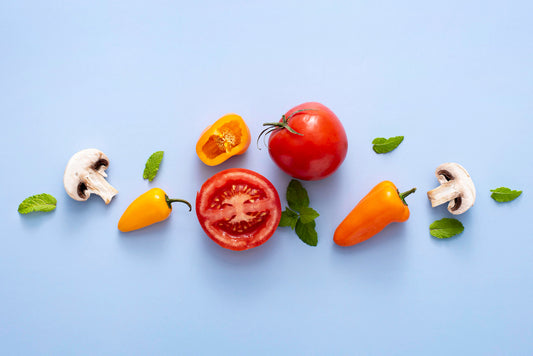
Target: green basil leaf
{"points": [[308, 214], [40, 202], [307, 232], [504, 194], [288, 218], [385, 145], [297, 196], [446, 228], [152, 165]]}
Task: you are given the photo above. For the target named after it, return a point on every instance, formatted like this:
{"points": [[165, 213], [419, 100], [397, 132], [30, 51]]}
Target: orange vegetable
{"points": [[381, 206], [149, 208], [227, 137]]}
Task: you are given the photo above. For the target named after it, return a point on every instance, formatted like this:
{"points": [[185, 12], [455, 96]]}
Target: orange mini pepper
{"points": [[381, 206], [149, 208], [227, 137]]}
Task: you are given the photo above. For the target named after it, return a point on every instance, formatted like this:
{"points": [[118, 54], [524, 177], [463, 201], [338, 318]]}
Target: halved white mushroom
{"points": [[456, 187], [85, 174]]}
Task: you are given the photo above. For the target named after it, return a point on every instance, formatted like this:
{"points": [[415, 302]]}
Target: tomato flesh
{"points": [[239, 209], [318, 151]]}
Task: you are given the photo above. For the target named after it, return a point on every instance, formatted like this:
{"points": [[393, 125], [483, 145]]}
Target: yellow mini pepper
{"points": [[149, 208]]}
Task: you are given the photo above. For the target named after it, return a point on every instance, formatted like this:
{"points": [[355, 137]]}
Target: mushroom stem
{"points": [[97, 184], [443, 194]]}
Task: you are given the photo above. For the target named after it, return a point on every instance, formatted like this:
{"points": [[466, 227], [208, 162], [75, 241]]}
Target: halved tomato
{"points": [[238, 208]]}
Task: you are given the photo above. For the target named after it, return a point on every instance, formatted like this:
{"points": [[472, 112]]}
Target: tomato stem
{"points": [[405, 194], [284, 124], [170, 201], [299, 111]]}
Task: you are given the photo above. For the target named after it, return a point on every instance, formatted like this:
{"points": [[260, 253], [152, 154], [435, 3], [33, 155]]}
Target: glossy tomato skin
{"points": [[238, 209], [318, 152]]}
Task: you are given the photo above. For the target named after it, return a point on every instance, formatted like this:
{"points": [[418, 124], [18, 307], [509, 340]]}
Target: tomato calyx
{"points": [[280, 125]]}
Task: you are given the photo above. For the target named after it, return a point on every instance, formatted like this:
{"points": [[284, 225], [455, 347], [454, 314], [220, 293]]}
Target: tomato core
{"points": [[238, 214]]}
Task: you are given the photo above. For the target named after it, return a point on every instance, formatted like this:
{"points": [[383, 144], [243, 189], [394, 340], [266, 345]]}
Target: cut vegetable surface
{"points": [[149, 208], [308, 143], [381, 206], [456, 187], [227, 137], [238, 209], [85, 175]]}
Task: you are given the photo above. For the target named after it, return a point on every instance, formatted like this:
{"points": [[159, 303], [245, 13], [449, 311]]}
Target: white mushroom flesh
{"points": [[85, 175], [456, 187]]}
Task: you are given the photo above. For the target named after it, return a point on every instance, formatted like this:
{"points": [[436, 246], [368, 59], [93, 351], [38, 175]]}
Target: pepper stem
{"points": [[170, 201], [405, 194]]}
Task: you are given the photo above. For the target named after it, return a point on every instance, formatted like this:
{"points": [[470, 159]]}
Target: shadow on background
{"points": [[238, 274], [148, 242], [441, 212], [35, 220], [389, 246], [80, 214]]}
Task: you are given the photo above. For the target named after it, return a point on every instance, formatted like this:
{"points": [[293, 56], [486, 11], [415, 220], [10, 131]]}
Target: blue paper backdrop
{"points": [[132, 77]]}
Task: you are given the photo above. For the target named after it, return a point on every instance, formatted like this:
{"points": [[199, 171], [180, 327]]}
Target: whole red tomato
{"points": [[238, 208], [309, 142]]}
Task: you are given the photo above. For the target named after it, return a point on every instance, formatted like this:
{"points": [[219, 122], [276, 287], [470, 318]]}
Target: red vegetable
{"points": [[308, 143], [238, 209]]}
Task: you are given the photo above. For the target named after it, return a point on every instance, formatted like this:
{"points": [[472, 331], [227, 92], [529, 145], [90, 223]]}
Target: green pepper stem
{"points": [[405, 194], [170, 201]]}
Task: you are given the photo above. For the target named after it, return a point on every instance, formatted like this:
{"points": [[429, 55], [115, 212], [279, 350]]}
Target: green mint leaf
{"points": [[288, 218], [297, 196], [152, 165], [299, 216], [307, 232], [40, 202], [446, 228], [503, 194], [384, 145], [308, 214]]}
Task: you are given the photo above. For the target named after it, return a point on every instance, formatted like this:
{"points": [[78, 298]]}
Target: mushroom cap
{"points": [[456, 175], [85, 174]]}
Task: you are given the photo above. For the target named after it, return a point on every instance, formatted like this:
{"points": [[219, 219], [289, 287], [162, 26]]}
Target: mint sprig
{"points": [[152, 165], [385, 145], [446, 228], [40, 202], [288, 218], [307, 232], [503, 194], [298, 215]]}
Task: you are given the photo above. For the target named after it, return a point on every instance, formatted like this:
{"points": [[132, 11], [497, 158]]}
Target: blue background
{"points": [[132, 77]]}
